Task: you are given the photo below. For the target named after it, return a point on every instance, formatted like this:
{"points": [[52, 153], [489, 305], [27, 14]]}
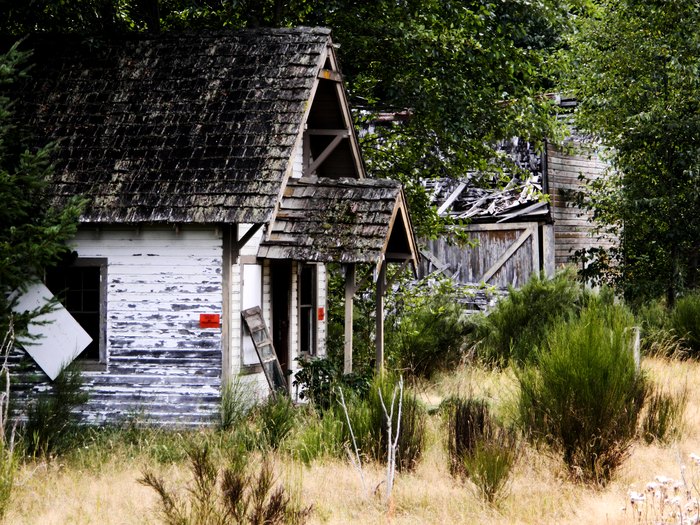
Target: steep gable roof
{"points": [[196, 127]]}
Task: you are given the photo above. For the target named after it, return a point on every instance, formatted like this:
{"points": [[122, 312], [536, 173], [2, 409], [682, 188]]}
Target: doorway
{"points": [[281, 284]]}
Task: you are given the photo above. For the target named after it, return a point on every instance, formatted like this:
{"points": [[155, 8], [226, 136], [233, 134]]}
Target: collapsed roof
{"points": [[483, 197]]}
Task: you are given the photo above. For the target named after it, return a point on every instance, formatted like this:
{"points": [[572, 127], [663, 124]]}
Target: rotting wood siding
{"points": [[161, 368], [469, 264], [573, 229]]}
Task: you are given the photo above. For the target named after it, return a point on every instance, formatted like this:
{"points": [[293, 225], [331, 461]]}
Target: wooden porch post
{"points": [[379, 335], [349, 296]]}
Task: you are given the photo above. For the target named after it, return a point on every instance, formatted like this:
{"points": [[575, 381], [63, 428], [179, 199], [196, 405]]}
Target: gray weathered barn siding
{"points": [[567, 170]]}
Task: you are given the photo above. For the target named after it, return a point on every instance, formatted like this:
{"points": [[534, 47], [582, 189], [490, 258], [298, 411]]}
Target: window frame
{"points": [[89, 363], [311, 308]]}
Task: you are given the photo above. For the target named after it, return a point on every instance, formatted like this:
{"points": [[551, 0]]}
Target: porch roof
{"points": [[341, 220]]}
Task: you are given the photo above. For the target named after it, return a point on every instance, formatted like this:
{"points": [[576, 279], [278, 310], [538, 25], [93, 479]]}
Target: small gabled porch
{"points": [[346, 221]]}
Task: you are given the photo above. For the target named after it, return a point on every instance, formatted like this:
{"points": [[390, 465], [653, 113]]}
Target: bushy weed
{"points": [[429, 329], [317, 435], [369, 424], [235, 403], [685, 322], [479, 448], [585, 395], [519, 323], [275, 419], [233, 494], [52, 423], [662, 419]]}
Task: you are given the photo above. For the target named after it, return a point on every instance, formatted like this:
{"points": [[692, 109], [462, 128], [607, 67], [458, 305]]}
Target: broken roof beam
{"points": [[453, 196], [337, 134]]}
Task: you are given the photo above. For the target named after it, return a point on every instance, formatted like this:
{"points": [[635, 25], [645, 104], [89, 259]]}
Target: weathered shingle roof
{"points": [[344, 220], [174, 128]]}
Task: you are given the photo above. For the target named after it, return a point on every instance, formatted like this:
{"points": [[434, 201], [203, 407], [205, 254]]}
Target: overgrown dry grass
{"points": [[102, 488]]}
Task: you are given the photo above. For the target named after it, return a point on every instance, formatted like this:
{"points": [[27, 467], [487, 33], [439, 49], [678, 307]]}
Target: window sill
{"points": [[247, 370], [90, 366]]}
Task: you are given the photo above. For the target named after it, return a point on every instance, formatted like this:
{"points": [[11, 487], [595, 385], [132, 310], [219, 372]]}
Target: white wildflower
{"points": [[636, 497]]}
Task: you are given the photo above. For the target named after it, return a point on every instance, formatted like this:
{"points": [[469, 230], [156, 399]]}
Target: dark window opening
{"points": [[307, 309], [79, 288]]}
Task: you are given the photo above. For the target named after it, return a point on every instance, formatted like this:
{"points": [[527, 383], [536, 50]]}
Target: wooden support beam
{"points": [[324, 154], [453, 196], [329, 74], [240, 243], [379, 332], [349, 301], [329, 132]]}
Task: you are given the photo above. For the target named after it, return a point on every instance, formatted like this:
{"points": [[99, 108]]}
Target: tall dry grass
{"points": [[102, 488]]}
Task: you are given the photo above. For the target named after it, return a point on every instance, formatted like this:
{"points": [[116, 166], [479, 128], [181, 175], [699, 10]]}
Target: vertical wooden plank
{"points": [[226, 372], [535, 250], [322, 305], [379, 336], [548, 250], [349, 295]]}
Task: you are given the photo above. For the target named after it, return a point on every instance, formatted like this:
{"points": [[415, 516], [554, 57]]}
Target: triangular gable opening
{"points": [[330, 145], [399, 247]]}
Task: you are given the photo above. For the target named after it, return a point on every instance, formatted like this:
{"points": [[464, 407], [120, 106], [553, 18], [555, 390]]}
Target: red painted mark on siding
{"points": [[209, 320]]}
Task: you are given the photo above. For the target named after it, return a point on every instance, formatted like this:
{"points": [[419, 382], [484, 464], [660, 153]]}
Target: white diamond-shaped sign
{"points": [[60, 337]]}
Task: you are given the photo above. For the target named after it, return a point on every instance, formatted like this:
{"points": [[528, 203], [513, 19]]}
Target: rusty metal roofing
{"points": [[343, 220], [196, 127]]}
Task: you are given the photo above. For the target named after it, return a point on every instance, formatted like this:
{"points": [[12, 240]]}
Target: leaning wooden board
{"points": [[263, 346]]}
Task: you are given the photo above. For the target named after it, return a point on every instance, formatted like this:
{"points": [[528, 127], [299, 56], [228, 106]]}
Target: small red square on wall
{"points": [[321, 314], [209, 320]]}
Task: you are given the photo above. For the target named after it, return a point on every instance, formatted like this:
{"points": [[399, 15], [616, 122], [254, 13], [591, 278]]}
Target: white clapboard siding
{"points": [[161, 366]]}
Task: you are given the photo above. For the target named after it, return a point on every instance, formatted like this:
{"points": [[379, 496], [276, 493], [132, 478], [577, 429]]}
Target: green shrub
{"points": [[318, 435], [319, 378], [427, 330], [369, 425], [52, 423], [235, 403], [663, 416], [685, 321], [585, 395], [276, 418], [519, 323], [479, 448]]}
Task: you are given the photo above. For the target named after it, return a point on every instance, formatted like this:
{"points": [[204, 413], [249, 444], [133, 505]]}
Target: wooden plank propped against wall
{"points": [[262, 342]]}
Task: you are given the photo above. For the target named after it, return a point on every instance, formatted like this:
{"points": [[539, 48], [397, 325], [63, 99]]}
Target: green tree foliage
{"points": [[465, 74], [634, 69], [32, 232]]}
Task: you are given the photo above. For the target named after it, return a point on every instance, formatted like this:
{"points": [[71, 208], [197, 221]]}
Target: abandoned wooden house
{"points": [[222, 172], [531, 225]]}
